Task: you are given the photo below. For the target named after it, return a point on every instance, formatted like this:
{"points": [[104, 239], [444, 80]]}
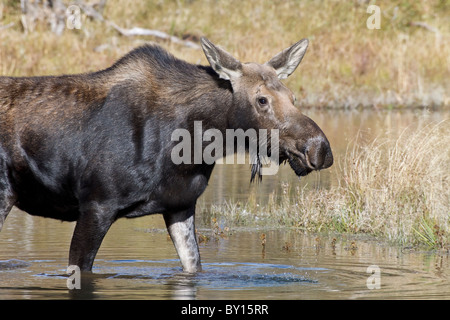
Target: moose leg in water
{"points": [[5, 207], [182, 231], [7, 197], [97, 147], [91, 228]]}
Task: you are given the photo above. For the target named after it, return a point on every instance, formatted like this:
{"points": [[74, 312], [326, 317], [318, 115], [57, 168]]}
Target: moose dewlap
{"points": [[95, 147]]}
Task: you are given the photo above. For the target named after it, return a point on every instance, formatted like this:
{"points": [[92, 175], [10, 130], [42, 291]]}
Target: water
{"points": [[341, 128], [138, 261]]}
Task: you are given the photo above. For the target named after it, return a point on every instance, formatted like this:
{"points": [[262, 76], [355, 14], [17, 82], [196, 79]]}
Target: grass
{"points": [[403, 64], [431, 234], [396, 189]]}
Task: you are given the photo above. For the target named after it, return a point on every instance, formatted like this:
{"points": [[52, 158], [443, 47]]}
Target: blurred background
{"points": [[404, 63], [375, 78]]}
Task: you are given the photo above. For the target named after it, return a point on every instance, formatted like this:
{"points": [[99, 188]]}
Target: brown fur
{"points": [[96, 147]]}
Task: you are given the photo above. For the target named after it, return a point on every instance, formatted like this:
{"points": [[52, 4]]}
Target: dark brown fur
{"points": [[95, 147]]}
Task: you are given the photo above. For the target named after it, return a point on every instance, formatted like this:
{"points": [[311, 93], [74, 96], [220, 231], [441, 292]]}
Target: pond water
{"points": [[341, 128], [138, 261]]}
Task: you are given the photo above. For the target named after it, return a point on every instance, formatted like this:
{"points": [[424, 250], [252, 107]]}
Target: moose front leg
{"points": [[92, 226], [182, 231]]}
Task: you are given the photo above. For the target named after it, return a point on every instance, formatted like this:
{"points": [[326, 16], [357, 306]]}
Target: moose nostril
{"points": [[315, 160], [313, 164], [318, 155]]}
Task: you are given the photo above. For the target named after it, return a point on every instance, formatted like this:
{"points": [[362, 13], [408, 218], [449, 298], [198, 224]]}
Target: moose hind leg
{"points": [[88, 235], [182, 231], [5, 207], [7, 198]]}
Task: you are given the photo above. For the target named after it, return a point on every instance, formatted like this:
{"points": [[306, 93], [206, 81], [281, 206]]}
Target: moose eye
{"points": [[263, 101]]}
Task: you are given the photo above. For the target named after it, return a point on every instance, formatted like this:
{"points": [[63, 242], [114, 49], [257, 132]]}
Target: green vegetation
{"points": [[393, 188]]}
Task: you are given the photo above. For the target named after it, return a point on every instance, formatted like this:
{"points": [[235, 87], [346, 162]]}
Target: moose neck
{"points": [[215, 105], [221, 116]]}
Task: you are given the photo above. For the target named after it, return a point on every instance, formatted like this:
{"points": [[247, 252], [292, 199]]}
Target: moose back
{"points": [[96, 147]]}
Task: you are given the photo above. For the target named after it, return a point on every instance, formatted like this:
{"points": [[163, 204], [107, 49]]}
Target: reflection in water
{"points": [[88, 287], [13, 264], [232, 182], [183, 286], [138, 261], [179, 285]]}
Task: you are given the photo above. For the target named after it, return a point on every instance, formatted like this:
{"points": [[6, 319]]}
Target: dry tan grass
{"points": [[347, 65], [393, 188], [398, 188]]}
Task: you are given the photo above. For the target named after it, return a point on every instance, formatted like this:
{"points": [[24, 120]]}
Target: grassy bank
{"points": [[396, 189], [403, 64]]}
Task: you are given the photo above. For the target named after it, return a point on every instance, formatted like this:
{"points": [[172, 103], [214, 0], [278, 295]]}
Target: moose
{"points": [[96, 147]]}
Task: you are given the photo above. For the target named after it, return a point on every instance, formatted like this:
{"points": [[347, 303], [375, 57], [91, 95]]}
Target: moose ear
{"points": [[287, 60], [226, 66]]}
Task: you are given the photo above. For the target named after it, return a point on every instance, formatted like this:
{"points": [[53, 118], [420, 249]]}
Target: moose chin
{"points": [[96, 147]]}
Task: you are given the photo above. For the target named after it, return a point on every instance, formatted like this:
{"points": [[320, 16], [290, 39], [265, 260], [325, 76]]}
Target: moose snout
{"points": [[317, 153]]}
